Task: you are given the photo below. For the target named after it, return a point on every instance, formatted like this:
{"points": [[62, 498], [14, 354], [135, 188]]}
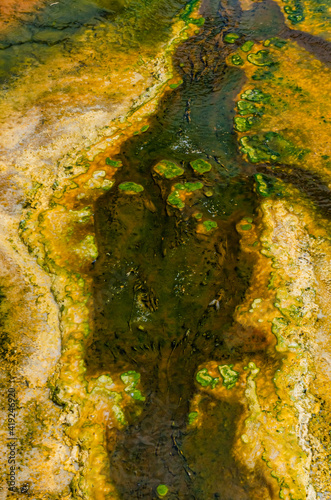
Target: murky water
{"points": [[156, 280]]}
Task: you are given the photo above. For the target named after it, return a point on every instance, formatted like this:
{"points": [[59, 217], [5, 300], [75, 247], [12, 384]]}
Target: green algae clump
{"points": [[113, 163], [87, 248], [175, 201], [175, 85], [162, 490], [276, 42], [168, 169], [200, 166], [130, 187], [230, 376], [203, 378], [244, 124], [131, 379], [174, 198], [295, 13], [237, 60], [261, 58], [256, 150], [270, 147], [231, 37], [248, 108], [192, 416], [190, 187], [261, 185], [209, 225], [247, 46], [198, 216], [255, 95]]}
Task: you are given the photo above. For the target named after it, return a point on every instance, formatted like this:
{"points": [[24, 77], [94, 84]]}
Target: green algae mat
{"points": [[165, 277]]}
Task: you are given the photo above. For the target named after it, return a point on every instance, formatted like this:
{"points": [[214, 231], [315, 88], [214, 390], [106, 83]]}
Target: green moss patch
{"points": [[168, 169]]}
